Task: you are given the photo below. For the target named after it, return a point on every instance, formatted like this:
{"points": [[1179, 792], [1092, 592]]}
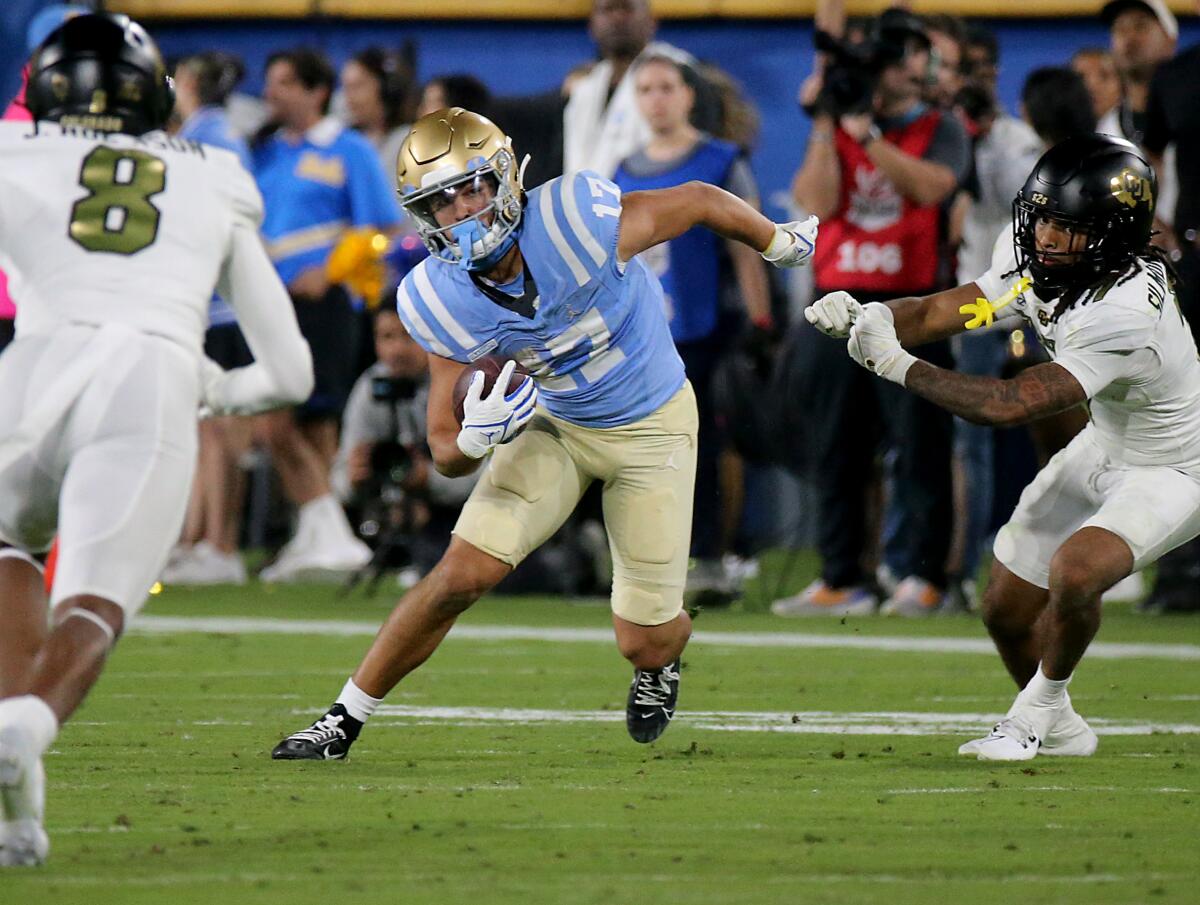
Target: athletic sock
{"points": [[358, 704], [34, 716], [1044, 697]]}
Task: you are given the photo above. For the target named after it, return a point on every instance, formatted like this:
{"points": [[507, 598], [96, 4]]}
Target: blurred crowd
{"points": [[343, 486]]}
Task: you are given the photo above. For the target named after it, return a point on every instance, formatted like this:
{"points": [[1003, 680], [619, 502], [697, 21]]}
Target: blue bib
{"points": [[598, 343]]}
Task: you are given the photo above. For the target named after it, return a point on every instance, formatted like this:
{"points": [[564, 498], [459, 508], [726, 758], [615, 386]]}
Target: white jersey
{"points": [[1131, 351], [121, 231], [101, 228]]}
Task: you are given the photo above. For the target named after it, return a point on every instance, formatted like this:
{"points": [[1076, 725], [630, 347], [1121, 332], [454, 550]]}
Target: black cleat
{"points": [[329, 738], [651, 702]]}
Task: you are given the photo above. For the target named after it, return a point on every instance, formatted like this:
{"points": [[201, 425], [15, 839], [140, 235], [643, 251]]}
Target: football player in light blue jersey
{"points": [[550, 279]]}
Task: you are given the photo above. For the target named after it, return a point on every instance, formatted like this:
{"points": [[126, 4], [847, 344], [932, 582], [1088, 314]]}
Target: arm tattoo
{"points": [[1034, 393]]}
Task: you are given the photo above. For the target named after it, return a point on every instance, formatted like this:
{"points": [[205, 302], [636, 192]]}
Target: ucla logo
{"points": [[1131, 189], [327, 170]]}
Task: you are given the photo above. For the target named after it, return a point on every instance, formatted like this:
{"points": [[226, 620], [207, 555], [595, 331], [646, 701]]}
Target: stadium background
{"points": [[526, 47]]}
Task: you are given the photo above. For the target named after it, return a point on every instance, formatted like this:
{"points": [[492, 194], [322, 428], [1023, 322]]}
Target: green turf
{"points": [[161, 790]]}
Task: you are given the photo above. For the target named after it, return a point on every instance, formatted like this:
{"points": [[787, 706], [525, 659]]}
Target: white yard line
{"points": [[817, 722], [1101, 650]]}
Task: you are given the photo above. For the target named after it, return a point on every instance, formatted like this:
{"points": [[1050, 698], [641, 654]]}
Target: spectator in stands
{"points": [[380, 101], [208, 550], [1171, 121], [1142, 35], [878, 181], [692, 270], [455, 90], [1056, 104], [739, 120], [947, 37], [1099, 72], [383, 467], [981, 56], [601, 124], [318, 180]]}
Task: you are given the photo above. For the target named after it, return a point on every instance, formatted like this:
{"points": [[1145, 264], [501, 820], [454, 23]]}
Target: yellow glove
{"points": [[982, 312], [357, 262]]}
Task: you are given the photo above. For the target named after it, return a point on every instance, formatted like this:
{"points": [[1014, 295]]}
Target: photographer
{"points": [[383, 469], [879, 166]]}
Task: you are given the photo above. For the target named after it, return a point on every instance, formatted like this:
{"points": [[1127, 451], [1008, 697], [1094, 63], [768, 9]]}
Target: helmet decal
{"points": [[1132, 189]]}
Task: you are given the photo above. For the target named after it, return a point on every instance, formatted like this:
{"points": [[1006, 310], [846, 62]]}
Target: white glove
{"points": [[834, 314], [793, 243], [873, 344], [496, 418]]}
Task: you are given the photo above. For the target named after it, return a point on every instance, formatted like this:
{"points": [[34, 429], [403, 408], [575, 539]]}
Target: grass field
{"points": [[501, 772]]}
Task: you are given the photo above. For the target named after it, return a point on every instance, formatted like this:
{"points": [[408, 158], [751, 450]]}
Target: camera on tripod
{"points": [[852, 72]]}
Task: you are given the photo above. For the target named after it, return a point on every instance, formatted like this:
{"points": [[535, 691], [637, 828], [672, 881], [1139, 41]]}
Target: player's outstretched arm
{"points": [[282, 373], [441, 426], [918, 319], [1034, 393], [652, 217]]}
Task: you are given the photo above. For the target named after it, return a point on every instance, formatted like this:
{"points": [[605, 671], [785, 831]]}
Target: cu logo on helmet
{"points": [[1039, 198], [1131, 189]]}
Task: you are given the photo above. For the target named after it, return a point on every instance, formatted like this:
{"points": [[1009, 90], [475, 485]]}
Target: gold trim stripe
{"points": [[305, 239]]}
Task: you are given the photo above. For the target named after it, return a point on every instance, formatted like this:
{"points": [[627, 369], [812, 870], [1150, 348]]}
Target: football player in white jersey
{"points": [[1078, 267], [114, 236]]}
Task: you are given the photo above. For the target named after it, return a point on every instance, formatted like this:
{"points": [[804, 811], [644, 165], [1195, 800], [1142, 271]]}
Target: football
{"points": [[490, 365]]}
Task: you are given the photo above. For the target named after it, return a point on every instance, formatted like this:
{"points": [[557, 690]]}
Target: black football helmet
{"points": [[1089, 183], [100, 71]]}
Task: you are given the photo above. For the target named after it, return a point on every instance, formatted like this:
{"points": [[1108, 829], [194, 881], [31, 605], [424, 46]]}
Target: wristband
{"points": [[778, 244]]}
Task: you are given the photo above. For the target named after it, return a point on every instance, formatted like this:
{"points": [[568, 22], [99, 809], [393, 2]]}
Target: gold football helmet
{"points": [[449, 152]]}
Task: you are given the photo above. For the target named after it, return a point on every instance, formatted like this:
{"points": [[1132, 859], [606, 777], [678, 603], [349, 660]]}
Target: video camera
{"points": [[852, 72], [393, 389]]}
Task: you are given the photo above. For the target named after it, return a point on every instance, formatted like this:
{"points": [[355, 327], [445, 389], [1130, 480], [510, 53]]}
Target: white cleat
{"points": [[1011, 739], [1070, 736], [23, 842]]}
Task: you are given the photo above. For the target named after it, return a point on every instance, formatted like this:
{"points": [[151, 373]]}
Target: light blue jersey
{"points": [[598, 344]]}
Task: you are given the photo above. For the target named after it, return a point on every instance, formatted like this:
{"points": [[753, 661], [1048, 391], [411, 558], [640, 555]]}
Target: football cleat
{"points": [[329, 738], [1011, 739], [651, 703], [1070, 736], [23, 842]]}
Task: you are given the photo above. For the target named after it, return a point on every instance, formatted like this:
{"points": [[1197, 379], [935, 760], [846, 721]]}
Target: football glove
{"points": [[873, 344], [834, 314], [793, 243], [497, 417]]}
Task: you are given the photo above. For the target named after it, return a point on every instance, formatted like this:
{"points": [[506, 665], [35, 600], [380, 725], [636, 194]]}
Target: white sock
{"points": [[357, 702], [34, 716], [1042, 700]]}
